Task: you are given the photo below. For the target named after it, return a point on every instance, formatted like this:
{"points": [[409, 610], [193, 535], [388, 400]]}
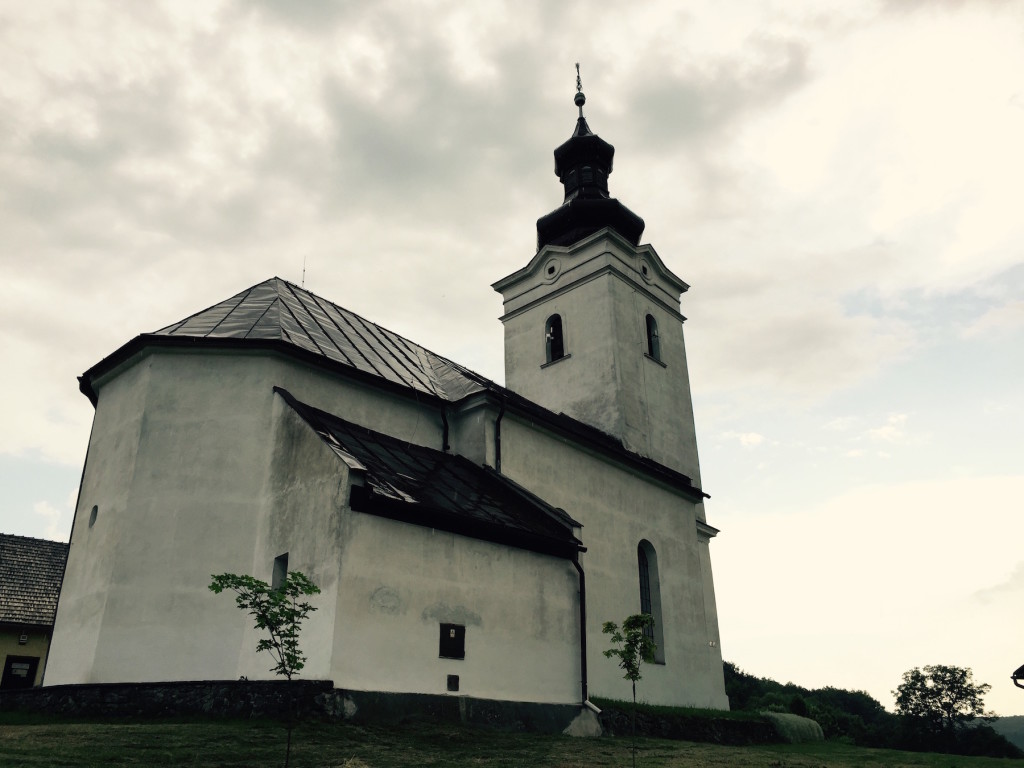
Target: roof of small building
{"points": [[31, 571], [440, 490]]}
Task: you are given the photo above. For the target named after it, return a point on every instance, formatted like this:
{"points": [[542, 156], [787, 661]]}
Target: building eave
{"points": [[146, 341], [364, 500]]}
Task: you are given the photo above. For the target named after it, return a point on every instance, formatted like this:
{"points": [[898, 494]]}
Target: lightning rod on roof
{"points": [[579, 99]]}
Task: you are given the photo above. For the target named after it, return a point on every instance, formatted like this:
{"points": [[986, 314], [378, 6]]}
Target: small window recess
{"points": [[280, 571], [92, 515], [653, 339], [452, 644], [554, 340]]}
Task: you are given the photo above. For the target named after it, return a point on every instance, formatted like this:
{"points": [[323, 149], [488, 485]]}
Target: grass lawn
{"points": [[52, 743]]}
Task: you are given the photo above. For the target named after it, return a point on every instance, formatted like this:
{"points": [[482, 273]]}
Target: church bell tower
{"points": [[593, 327]]}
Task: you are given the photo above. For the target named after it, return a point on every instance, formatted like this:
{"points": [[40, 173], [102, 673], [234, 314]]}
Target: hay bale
{"points": [[794, 729]]}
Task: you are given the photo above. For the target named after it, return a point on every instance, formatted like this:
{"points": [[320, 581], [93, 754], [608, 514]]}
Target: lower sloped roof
{"points": [[440, 490], [30, 575]]}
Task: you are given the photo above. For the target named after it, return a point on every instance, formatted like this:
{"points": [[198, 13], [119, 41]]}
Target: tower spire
{"points": [[583, 164]]}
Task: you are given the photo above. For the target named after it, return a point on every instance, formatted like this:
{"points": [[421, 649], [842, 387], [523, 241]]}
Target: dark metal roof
{"points": [[31, 571], [426, 487], [276, 310]]}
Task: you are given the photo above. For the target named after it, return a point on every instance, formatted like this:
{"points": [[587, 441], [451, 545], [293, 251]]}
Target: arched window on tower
{"points": [[650, 596], [653, 342], [554, 342]]}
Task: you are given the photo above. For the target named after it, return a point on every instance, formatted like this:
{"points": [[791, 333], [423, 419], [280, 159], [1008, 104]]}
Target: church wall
{"points": [[106, 482], [402, 581], [180, 446], [301, 514], [204, 470], [401, 416], [618, 509], [387, 586], [192, 511], [472, 431]]}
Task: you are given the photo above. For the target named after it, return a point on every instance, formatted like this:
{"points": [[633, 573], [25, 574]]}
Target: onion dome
{"points": [[583, 164]]}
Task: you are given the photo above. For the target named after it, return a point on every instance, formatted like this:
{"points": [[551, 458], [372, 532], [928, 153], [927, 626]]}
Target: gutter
{"points": [[583, 630], [445, 447], [497, 436]]}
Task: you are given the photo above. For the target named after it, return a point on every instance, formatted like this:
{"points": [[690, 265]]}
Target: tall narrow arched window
{"points": [[650, 596], [554, 343], [653, 342]]}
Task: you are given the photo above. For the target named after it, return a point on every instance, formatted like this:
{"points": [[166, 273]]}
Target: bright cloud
{"points": [[894, 429], [57, 521]]}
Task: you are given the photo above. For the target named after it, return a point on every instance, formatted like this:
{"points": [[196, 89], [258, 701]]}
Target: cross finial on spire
{"points": [[579, 99]]}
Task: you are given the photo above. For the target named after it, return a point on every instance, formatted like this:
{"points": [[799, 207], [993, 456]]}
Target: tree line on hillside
{"points": [[940, 709]]}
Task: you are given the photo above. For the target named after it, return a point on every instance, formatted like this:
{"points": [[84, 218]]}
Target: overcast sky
{"points": [[841, 186]]}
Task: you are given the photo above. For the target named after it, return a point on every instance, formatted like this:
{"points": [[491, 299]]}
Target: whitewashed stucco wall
{"points": [[618, 508], [180, 447], [402, 581], [198, 468], [603, 289]]}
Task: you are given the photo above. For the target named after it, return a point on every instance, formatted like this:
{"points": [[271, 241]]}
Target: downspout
{"points": [[497, 436], [583, 628], [445, 447]]}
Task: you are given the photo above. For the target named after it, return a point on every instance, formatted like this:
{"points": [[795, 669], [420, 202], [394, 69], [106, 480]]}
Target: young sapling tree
{"points": [[632, 646], [279, 611]]}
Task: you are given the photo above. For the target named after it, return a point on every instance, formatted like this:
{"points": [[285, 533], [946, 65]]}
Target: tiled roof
{"points": [[276, 310], [30, 574], [426, 487]]}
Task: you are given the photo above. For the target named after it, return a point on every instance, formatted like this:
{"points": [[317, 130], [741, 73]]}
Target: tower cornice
{"points": [[556, 268]]}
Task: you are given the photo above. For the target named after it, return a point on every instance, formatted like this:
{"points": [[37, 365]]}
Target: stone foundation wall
{"points": [[221, 698], [306, 699]]}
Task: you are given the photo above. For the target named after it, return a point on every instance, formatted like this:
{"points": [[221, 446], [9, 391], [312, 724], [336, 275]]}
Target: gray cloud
{"points": [[711, 98], [319, 17]]}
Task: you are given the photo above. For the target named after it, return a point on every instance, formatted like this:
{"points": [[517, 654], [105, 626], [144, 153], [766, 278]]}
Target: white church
{"points": [[470, 539]]}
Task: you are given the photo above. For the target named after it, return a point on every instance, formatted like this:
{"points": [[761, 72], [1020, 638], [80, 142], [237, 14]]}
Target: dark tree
{"points": [[941, 699]]}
